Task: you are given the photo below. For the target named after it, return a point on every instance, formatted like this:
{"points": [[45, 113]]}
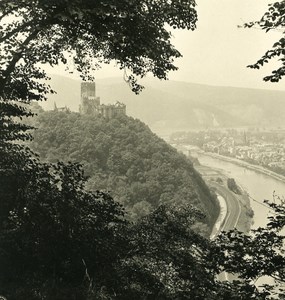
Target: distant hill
{"points": [[168, 106]]}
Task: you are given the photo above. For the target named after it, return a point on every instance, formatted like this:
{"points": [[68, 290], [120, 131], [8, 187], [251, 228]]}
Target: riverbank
{"points": [[245, 164], [235, 210], [259, 186]]}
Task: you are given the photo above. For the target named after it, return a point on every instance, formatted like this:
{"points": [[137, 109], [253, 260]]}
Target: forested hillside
{"points": [[124, 157]]}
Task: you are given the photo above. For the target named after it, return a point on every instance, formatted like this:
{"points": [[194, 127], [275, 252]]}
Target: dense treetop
{"points": [[123, 156], [58, 241]]}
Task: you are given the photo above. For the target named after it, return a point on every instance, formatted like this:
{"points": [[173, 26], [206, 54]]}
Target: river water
{"points": [[259, 186]]}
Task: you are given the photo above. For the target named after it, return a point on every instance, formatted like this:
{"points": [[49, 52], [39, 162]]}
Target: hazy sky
{"points": [[217, 52]]}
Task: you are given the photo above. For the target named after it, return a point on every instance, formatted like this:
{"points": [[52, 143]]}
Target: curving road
{"points": [[231, 219], [233, 207], [232, 201]]}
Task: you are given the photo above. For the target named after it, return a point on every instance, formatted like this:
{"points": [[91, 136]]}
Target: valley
{"points": [[171, 106]]}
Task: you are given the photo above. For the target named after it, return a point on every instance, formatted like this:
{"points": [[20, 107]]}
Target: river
{"points": [[259, 186]]}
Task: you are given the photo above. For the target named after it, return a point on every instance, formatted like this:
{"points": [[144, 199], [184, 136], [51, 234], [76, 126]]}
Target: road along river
{"points": [[258, 185]]}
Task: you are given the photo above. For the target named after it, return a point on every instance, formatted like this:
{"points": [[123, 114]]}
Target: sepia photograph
{"points": [[142, 149]]}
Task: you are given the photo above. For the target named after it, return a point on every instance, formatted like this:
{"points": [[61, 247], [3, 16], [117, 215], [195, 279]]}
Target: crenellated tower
{"points": [[89, 101], [90, 104]]}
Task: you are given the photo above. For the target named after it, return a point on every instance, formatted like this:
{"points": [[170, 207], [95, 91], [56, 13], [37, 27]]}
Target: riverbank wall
{"points": [[216, 179], [245, 164], [217, 228]]}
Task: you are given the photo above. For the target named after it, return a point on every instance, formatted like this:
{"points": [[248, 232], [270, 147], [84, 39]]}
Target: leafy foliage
{"points": [[86, 34], [123, 156], [273, 19], [231, 183], [58, 241], [256, 259], [167, 260], [54, 236]]}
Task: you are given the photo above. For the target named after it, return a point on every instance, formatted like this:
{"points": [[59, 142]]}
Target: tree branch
{"points": [[16, 57], [16, 30]]}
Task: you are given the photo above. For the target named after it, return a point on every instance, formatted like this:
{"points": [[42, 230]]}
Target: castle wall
{"points": [[90, 104], [89, 101]]}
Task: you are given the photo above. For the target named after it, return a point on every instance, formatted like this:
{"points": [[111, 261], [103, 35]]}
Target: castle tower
{"points": [[89, 101], [88, 89], [90, 104]]}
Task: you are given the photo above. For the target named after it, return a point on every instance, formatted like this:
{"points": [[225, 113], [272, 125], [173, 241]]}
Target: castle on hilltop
{"points": [[90, 104]]}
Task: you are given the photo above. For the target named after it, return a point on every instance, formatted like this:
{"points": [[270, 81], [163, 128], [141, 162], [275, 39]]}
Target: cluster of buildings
{"points": [[265, 147], [256, 151]]}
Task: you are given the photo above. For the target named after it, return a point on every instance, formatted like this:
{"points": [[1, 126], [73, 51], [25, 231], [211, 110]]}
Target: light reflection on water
{"points": [[259, 186]]}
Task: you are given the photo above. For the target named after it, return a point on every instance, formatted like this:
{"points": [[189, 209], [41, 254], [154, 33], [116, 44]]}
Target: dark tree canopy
{"points": [[123, 156], [130, 32], [273, 19]]}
